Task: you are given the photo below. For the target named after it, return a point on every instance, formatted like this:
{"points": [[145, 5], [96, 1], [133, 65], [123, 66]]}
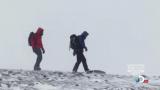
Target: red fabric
{"points": [[146, 81], [38, 39]]}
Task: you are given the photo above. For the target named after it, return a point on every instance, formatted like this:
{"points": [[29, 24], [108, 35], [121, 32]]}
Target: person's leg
{"points": [[84, 62], [39, 59], [77, 63]]}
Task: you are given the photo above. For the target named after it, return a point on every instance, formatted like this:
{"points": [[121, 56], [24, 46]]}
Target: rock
{"points": [[77, 85], [96, 71]]}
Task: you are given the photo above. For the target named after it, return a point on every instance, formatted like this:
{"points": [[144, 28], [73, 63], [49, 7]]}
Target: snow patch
{"points": [[45, 87]]}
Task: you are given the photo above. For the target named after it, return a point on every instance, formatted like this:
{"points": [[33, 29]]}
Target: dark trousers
{"points": [[38, 52], [80, 58]]}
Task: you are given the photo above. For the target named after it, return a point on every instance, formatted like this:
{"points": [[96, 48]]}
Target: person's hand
{"points": [[43, 50], [86, 49], [74, 53]]}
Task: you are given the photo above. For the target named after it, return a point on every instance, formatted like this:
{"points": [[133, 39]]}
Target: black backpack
{"points": [[31, 38], [74, 41]]}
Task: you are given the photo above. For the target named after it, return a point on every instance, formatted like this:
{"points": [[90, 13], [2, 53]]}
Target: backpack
{"points": [[31, 38], [74, 41]]}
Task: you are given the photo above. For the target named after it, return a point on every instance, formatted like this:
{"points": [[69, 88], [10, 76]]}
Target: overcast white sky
{"points": [[122, 32]]}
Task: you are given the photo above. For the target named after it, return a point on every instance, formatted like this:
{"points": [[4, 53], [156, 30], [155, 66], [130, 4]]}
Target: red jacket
{"points": [[37, 43]]}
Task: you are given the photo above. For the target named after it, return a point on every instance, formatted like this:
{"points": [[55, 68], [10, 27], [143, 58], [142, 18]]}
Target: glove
{"points": [[43, 51], [74, 53], [86, 49]]}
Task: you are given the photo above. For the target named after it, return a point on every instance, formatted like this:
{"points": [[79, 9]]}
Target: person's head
{"points": [[85, 34], [40, 31]]}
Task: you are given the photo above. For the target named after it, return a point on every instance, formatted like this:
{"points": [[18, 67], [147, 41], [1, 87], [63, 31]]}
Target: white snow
{"points": [[48, 80], [45, 87]]}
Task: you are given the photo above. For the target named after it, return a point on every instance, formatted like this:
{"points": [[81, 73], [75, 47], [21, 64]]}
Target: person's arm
{"points": [[43, 50], [84, 45]]}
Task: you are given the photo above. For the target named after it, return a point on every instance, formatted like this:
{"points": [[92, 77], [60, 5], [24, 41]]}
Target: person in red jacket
{"points": [[37, 47]]}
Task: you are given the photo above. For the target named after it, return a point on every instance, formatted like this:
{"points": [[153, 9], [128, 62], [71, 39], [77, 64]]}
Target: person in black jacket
{"points": [[80, 46]]}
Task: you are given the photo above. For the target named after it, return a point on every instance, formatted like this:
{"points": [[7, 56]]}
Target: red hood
{"points": [[39, 31]]}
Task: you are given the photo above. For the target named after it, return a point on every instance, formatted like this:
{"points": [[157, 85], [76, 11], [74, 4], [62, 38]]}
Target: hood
{"points": [[39, 31], [85, 34]]}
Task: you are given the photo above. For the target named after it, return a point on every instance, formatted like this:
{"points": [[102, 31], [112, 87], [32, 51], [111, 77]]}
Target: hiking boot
{"points": [[88, 71], [74, 72], [37, 68]]}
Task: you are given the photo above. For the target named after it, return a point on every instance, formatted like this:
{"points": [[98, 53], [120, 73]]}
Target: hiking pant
{"points": [[38, 52], [80, 58]]}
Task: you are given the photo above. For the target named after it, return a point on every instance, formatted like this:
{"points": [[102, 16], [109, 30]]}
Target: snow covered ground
{"points": [[48, 80]]}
